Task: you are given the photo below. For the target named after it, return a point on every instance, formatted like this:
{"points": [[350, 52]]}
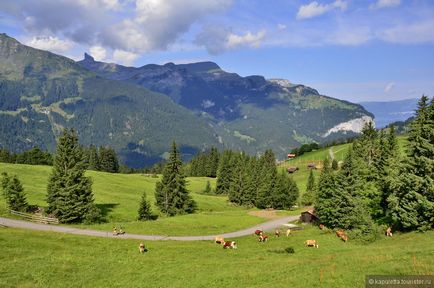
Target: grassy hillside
{"points": [[317, 156], [118, 195], [44, 259]]}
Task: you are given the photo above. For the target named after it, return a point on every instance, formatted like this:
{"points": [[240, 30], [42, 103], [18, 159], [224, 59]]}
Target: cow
{"points": [[389, 232], [288, 232], [219, 240], [115, 231], [258, 232], [322, 227], [339, 233], [311, 243], [142, 248], [263, 238], [344, 238], [229, 245], [277, 233]]}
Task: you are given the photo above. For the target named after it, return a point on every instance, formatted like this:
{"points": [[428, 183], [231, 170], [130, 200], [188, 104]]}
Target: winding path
{"points": [[266, 226]]}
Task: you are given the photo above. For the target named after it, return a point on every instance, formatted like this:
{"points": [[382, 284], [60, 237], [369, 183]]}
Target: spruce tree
{"points": [[171, 194], [309, 196], [108, 160], [285, 192], [213, 163], [14, 193], [268, 178], [207, 189], [145, 212], [225, 172], [93, 158], [69, 192], [335, 165]]}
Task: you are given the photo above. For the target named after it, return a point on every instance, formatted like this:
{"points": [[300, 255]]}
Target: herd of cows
{"points": [[262, 237]]}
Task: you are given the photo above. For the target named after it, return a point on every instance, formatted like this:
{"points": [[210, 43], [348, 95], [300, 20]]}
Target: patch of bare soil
{"points": [[267, 214]]}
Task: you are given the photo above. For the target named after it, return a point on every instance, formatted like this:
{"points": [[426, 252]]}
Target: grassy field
{"points": [[44, 259], [118, 195]]}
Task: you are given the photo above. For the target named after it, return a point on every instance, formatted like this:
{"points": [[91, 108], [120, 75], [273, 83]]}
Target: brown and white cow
{"points": [[311, 243], [229, 245], [142, 248], [258, 232], [277, 233], [263, 238], [219, 240], [389, 232], [344, 238], [322, 227], [339, 233]]}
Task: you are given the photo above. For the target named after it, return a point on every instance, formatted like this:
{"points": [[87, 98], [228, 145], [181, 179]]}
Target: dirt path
{"points": [[267, 226]]}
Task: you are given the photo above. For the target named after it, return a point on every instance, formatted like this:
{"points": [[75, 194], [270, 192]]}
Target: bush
{"points": [[93, 215], [290, 250]]}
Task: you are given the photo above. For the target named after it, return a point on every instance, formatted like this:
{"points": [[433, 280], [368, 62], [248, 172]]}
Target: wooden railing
{"points": [[36, 218]]}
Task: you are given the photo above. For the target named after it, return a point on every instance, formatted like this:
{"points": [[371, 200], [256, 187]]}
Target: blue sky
{"points": [[348, 49]]}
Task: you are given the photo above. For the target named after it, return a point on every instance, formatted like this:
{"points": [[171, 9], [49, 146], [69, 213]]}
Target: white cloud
{"points": [[385, 4], [219, 39], [281, 26], [315, 9], [207, 104], [353, 36], [98, 52], [422, 32], [50, 43], [124, 57], [389, 87]]}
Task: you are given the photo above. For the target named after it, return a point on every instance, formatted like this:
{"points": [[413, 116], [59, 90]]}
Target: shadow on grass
{"points": [[105, 209]]}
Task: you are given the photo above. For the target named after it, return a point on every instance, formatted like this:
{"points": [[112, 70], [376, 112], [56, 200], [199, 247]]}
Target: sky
{"points": [[357, 50]]}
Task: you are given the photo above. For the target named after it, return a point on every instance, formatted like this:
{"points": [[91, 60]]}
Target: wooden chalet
{"points": [[309, 216], [291, 170]]}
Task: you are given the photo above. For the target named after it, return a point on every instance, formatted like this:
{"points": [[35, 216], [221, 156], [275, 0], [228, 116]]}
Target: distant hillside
{"points": [[199, 105], [387, 112]]}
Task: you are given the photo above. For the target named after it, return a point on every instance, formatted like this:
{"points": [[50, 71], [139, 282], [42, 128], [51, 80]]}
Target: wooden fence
{"points": [[36, 218]]}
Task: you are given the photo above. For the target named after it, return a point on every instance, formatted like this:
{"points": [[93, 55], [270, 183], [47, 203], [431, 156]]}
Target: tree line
{"points": [[34, 156], [379, 185]]}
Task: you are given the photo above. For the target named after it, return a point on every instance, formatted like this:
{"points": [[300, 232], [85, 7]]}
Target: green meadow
{"points": [[45, 259], [118, 195]]}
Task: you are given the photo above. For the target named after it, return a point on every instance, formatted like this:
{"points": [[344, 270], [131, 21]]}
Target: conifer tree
{"points": [[268, 179], [108, 160], [225, 172], [93, 158], [285, 192], [212, 163], [145, 212], [14, 193], [69, 192], [335, 165], [310, 195], [207, 189], [171, 194]]}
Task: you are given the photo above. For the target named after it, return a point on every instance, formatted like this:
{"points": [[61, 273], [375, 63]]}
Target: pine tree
{"points": [[335, 165], [171, 194], [225, 172], [207, 189], [310, 195], [14, 193], [145, 212], [69, 192], [285, 192], [108, 160], [268, 178], [411, 204], [93, 158], [213, 163]]}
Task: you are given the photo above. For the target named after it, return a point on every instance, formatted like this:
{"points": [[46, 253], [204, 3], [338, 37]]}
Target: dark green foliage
{"points": [[335, 165], [14, 193], [108, 160], [290, 250], [207, 189], [411, 194], [93, 158], [69, 192], [205, 164], [5, 156], [145, 213], [267, 180], [305, 148], [171, 194], [34, 156], [285, 192], [310, 195], [225, 172]]}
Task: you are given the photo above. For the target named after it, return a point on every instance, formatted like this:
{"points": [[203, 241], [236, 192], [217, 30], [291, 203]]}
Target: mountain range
{"points": [[139, 111]]}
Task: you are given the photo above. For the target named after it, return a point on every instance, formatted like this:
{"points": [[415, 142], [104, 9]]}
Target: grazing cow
{"points": [[322, 226], [263, 238], [288, 232], [142, 248], [277, 233], [258, 232], [344, 238], [389, 232], [219, 240], [115, 231], [311, 243], [339, 233], [230, 245]]}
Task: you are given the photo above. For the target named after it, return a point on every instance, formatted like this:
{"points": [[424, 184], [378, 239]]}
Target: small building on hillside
{"points": [[291, 156], [311, 166], [309, 216], [292, 169]]}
